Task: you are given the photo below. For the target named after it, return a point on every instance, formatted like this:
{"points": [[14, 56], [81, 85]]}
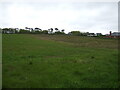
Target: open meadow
{"points": [[59, 61]]}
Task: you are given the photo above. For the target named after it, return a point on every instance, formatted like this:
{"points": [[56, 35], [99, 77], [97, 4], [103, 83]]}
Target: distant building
{"points": [[98, 34], [69, 33], [91, 34], [115, 34]]}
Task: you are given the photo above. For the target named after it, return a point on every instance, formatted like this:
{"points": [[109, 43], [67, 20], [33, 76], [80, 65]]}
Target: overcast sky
{"points": [[97, 17]]}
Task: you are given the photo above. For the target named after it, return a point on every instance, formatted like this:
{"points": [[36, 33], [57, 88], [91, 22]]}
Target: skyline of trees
{"points": [[37, 30], [33, 30]]}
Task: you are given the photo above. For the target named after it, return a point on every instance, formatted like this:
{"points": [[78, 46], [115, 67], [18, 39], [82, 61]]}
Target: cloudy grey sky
{"points": [[83, 16]]}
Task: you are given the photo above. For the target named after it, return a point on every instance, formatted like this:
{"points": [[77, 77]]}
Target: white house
{"points": [[115, 34]]}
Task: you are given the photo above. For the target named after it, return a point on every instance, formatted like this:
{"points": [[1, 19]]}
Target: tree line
{"points": [[32, 31], [49, 31]]}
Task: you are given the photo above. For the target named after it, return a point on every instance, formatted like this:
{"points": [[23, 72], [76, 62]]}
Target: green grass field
{"points": [[59, 61]]}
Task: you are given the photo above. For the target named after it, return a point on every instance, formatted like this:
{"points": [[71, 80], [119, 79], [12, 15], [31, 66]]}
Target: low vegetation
{"points": [[59, 61]]}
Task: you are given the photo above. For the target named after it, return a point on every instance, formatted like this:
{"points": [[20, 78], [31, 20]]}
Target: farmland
{"points": [[59, 61]]}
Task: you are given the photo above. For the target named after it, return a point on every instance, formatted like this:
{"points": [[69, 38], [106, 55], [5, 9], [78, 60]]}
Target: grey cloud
{"points": [[106, 18]]}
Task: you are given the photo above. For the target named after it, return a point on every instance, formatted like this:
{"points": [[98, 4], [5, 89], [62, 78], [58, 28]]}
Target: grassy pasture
{"points": [[59, 61]]}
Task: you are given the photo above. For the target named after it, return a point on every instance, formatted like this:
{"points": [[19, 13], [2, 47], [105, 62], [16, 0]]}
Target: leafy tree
{"points": [[110, 33], [56, 29], [36, 32], [26, 27], [44, 32], [62, 30], [9, 30], [51, 30], [75, 32], [13, 30], [59, 32], [37, 28], [5, 30], [24, 31]]}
